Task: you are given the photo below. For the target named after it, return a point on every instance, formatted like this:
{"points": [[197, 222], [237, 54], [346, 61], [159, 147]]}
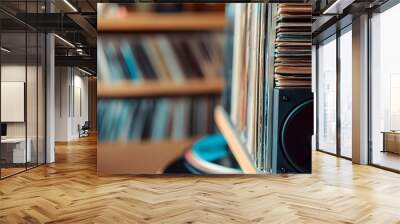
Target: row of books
{"points": [[293, 46], [164, 57], [155, 119]]}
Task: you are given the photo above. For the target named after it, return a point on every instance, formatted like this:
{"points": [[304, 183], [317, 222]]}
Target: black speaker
{"points": [[292, 130]]}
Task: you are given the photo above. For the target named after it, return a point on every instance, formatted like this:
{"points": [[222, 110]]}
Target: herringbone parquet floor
{"points": [[69, 191]]}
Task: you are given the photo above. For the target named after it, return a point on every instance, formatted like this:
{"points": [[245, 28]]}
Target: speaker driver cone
{"points": [[296, 135]]}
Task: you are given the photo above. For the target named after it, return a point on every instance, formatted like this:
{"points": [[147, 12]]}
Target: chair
{"points": [[84, 130]]}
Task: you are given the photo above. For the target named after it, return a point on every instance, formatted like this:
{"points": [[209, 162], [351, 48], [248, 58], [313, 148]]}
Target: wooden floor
{"points": [[69, 191], [5, 172], [386, 159]]}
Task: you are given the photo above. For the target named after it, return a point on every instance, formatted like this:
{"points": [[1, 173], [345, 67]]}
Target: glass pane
{"points": [[327, 96], [31, 87], [41, 99], [13, 86], [346, 94], [385, 84], [31, 98]]}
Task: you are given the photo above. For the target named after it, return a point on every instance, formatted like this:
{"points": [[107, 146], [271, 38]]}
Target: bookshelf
{"points": [[159, 88], [139, 22], [147, 156]]}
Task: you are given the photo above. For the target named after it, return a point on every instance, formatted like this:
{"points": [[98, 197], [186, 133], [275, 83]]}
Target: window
{"points": [[327, 96], [334, 103], [385, 89], [346, 93], [22, 75]]}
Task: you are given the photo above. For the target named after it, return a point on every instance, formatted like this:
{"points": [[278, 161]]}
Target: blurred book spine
{"points": [[164, 57], [155, 119]]}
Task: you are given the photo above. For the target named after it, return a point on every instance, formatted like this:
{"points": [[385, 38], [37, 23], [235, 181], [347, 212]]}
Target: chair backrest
{"points": [[86, 124]]}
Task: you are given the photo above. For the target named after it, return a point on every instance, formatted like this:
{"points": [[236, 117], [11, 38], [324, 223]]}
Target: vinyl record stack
{"points": [[248, 73], [293, 46], [270, 123]]}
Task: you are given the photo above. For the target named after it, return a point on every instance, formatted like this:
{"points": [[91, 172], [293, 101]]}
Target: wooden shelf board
{"points": [[164, 22], [159, 88], [141, 157]]}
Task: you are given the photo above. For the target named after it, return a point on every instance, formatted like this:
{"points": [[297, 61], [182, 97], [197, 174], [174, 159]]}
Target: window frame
{"points": [[333, 37], [378, 10]]}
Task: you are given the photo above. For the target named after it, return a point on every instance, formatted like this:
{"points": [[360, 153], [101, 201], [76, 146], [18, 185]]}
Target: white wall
{"points": [[62, 81], [12, 73], [33, 126], [70, 83], [79, 117]]}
